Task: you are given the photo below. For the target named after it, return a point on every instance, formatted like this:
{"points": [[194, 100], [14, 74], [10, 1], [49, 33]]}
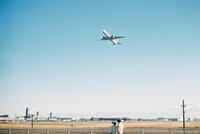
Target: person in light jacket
{"points": [[113, 128], [120, 127]]}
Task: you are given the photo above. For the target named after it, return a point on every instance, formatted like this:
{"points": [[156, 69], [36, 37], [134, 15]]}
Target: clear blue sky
{"points": [[51, 58]]}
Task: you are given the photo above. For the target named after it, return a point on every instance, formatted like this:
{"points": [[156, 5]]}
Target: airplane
{"points": [[111, 38]]}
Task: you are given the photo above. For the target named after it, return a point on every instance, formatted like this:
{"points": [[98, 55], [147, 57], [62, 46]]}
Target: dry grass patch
{"points": [[98, 125]]}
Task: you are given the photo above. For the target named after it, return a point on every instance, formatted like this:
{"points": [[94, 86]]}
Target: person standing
{"points": [[120, 127], [113, 128]]}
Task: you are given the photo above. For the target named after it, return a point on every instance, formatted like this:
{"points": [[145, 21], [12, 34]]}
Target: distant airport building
{"points": [[51, 115], [196, 119], [53, 119], [190, 119], [172, 119], [6, 117], [66, 119], [162, 119], [27, 113], [37, 115], [108, 119]]}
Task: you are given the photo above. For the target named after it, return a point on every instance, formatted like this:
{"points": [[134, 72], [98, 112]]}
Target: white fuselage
{"points": [[109, 37]]}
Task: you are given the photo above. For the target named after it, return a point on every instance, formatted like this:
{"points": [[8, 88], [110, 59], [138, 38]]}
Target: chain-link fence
{"points": [[98, 131]]}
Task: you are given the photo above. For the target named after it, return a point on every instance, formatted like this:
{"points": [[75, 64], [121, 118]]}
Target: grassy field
{"points": [[98, 125]]}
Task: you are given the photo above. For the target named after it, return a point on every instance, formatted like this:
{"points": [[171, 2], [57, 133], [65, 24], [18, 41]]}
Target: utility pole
{"points": [[183, 106], [32, 116]]}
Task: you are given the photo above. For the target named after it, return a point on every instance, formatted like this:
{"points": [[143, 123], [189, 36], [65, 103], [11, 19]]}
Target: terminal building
{"points": [[6, 118]]}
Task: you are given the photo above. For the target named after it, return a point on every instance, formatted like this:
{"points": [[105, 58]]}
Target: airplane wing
{"points": [[106, 33], [116, 37]]}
